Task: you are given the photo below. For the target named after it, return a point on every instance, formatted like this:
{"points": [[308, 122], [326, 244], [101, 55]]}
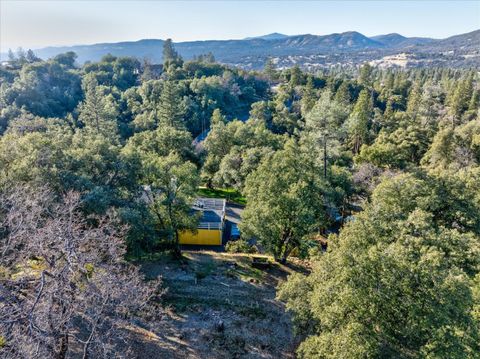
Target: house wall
{"points": [[212, 237]]}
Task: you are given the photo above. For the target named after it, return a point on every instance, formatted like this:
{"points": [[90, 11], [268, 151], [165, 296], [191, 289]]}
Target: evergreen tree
{"points": [[359, 122], [171, 58], [217, 118], [270, 70], [21, 56], [262, 111], [296, 76], [147, 73], [365, 76], [286, 183], [169, 52], [171, 110], [461, 97], [67, 59], [11, 56], [308, 96], [396, 282], [414, 99], [209, 58], [171, 189], [474, 103], [98, 112], [324, 122], [342, 96], [31, 57]]}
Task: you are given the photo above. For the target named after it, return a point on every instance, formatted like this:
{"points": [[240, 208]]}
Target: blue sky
{"points": [[34, 24]]}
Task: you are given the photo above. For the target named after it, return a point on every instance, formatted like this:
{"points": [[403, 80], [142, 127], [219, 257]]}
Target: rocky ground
{"points": [[218, 306]]}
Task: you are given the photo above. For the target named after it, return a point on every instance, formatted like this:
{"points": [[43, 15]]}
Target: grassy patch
{"points": [[229, 194], [204, 267], [252, 311], [184, 303], [245, 272], [204, 271], [31, 268]]}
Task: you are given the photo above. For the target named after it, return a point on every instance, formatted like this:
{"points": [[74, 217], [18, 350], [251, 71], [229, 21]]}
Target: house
{"points": [[211, 225]]}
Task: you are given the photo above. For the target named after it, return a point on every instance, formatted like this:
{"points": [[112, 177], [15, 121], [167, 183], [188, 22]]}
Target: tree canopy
{"points": [[370, 174]]}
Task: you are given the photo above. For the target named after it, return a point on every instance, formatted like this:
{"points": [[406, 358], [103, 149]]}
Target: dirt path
{"points": [[220, 307]]}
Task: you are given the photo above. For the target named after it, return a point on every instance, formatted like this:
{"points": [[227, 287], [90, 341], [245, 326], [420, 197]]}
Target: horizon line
{"points": [[229, 39]]}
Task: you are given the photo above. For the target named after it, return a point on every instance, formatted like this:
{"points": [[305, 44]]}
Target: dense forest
{"points": [[100, 164]]}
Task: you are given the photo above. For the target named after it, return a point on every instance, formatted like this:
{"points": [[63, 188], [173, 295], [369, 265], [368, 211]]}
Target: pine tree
{"points": [[388, 113], [365, 76], [323, 123], [98, 112], [209, 58], [296, 76], [414, 98], [309, 96], [169, 52], [359, 123], [171, 58], [270, 70], [474, 101], [170, 111], [342, 96], [147, 73], [262, 111], [461, 98], [217, 118], [11, 56], [31, 57], [21, 55]]}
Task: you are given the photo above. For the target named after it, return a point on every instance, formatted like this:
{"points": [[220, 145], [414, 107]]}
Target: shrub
{"points": [[240, 246], [306, 249]]}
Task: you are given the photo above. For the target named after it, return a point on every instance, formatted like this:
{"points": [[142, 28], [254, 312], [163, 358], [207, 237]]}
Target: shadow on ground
{"points": [[219, 306]]}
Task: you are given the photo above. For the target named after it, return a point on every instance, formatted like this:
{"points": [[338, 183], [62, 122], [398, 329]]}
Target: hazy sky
{"points": [[34, 24]]}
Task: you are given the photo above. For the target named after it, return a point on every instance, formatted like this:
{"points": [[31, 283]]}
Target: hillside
{"points": [[219, 307], [347, 48], [395, 40], [205, 211], [272, 36]]}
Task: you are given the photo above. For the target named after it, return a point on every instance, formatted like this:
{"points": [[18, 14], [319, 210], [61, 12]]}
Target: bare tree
{"points": [[65, 289]]}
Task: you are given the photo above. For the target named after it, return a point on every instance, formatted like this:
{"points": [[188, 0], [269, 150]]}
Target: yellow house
{"points": [[210, 228]]}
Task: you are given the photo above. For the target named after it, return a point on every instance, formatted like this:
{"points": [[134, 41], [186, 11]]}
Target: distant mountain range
{"points": [[348, 48], [272, 36]]}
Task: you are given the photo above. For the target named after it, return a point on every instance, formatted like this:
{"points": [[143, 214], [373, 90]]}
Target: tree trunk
{"points": [[277, 255], [209, 184], [325, 157], [284, 251], [177, 253]]}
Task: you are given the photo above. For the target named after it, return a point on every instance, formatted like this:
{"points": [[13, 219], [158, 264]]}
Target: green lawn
{"points": [[229, 194]]}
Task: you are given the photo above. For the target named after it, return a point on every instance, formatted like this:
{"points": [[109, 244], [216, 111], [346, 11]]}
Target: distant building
{"points": [[210, 228], [10, 65]]}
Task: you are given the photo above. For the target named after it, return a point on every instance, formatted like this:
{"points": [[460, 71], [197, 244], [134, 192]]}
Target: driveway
{"points": [[233, 214]]}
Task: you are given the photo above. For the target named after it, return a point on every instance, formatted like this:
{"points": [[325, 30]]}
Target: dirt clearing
{"points": [[219, 306]]}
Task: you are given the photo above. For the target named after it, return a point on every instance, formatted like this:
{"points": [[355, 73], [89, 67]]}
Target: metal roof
{"points": [[214, 204], [212, 209]]}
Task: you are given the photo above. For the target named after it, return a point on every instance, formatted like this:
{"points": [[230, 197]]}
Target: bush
{"points": [[306, 249], [240, 246]]}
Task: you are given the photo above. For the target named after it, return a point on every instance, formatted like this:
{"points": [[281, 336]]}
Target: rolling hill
{"points": [[347, 48]]}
